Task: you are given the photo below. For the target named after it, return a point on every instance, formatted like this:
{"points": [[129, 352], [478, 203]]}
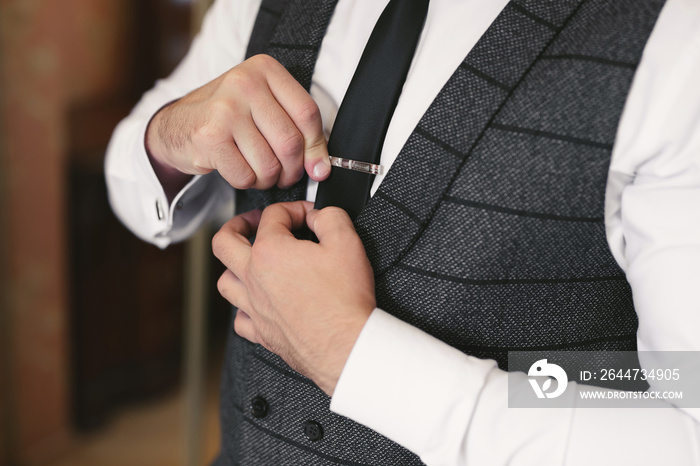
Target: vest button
{"points": [[313, 430], [259, 407]]}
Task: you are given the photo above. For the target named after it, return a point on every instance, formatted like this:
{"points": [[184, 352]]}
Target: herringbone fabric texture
{"points": [[488, 230]]}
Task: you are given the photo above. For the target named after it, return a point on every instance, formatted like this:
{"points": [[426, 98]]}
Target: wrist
{"points": [[344, 343], [171, 179]]}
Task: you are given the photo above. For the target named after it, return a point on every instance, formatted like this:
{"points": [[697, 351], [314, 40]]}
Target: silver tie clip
{"points": [[364, 167]]}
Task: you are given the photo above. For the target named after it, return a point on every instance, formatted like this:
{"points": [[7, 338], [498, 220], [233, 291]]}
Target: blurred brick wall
{"points": [[54, 53]]}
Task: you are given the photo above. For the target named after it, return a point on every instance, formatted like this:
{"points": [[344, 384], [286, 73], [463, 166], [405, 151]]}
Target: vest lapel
{"points": [[434, 153], [298, 37]]}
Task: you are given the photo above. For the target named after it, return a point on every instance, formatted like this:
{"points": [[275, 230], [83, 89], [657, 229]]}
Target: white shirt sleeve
{"points": [[135, 193], [451, 409]]}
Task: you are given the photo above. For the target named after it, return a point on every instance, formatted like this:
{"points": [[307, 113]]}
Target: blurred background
{"points": [[109, 348]]}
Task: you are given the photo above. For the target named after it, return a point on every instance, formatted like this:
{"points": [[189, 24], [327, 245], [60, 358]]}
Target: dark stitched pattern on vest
{"points": [[488, 230]]}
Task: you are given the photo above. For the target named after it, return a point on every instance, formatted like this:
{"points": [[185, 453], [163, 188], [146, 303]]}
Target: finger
{"points": [[232, 166], [332, 225], [233, 290], [230, 244], [244, 327], [258, 153], [306, 116], [251, 221], [283, 136], [282, 218]]}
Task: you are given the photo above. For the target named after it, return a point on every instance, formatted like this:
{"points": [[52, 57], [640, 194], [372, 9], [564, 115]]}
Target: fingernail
{"points": [[322, 169]]}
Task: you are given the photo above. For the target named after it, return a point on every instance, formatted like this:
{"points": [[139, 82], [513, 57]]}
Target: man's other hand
{"points": [[255, 124], [304, 301]]}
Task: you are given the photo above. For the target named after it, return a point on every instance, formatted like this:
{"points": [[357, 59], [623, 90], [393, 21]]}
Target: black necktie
{"points": [[363, 117]]}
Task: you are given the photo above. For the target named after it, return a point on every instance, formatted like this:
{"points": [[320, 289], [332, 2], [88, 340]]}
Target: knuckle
{"points": [[308, 113], [217, 243], [234, 169], [238, 327], [271, 169], [241, 81], [268, 175], [262, 63], [246, 178], [274, 210], [241, 329], [225, 112], [315, 144], [264, 184], [220, 109], [206, 134], [335, 219], [211, 140], [259, 250], [260, 59], [262, 253], [233, 76], [221, 285], [289, 178], [292, 145]]}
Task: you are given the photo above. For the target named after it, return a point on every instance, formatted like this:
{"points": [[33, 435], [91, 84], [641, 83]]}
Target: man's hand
{"points": [[255, 124], [304, 301]]}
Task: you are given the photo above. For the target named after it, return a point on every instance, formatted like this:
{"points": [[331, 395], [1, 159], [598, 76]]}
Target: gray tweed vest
{"points": [[488, 230]]}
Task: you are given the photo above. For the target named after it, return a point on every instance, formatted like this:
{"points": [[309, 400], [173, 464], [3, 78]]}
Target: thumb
{"points": [[331, 225], [316, 161]]}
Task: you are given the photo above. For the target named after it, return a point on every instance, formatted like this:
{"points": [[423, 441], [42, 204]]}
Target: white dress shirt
{"points": [[447, 407]]}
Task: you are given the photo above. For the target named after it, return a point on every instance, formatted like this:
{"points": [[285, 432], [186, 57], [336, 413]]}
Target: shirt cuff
{"points": [[409, 386], [441, 404], [137, 196]]}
